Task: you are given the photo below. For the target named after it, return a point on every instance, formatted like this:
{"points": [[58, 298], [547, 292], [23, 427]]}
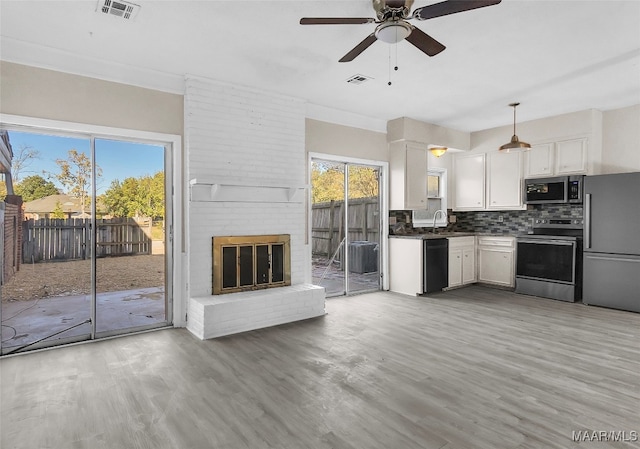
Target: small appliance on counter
{"points": [[549, 259]]}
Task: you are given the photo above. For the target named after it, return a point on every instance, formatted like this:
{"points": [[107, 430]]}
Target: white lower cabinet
{"points": [[462, 261], [496, 261]]}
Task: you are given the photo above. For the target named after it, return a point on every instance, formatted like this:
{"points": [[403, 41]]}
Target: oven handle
{"points": [[587, 220], [547, 242]]}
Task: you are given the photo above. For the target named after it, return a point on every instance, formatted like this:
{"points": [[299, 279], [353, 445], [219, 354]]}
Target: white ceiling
{"points": [[553, 57]]}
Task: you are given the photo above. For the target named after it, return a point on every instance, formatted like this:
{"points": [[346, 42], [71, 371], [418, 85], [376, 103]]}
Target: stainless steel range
{"points": [[549, 259]]}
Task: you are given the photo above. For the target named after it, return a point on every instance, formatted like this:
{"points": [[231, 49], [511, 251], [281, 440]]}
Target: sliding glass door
{"points": [[46, 292], [90, 218], [346, 225], [130, 265]]}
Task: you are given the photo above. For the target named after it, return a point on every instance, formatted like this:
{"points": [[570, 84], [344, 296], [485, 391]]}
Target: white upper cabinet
{"points": [[540, 160], [469, 182], [571, 156], [488, 181], [557, 158], [408, 175], [504, 178]]}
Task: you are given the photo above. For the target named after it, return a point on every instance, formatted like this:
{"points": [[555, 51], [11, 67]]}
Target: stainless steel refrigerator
{"points": [[611, 261]]}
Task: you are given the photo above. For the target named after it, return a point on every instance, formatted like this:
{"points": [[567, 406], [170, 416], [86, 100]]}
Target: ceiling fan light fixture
{"points": [[515, 142], [438, 151], [393, 32]]}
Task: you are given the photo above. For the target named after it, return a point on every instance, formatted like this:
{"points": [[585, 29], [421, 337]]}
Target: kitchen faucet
{"points": [[435, 216]]}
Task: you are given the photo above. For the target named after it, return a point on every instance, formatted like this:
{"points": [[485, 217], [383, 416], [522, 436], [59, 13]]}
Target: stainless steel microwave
{"points": [[557, 190]]}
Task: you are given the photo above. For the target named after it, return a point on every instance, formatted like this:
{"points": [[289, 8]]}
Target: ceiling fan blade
{"points": [[450, 7], [362, 46], [335, 20], [424, 42]]}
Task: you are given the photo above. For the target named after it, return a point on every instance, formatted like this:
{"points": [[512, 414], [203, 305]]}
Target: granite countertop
{"points": [[429, 236]]}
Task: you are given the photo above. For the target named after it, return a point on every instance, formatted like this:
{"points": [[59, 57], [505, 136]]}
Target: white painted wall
{"points": [[339, 140], [40, 93], [405, 128], [621, 140]]}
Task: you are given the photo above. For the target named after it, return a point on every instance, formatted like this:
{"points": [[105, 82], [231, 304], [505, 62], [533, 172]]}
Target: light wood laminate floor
{"points": [[469, 368]]}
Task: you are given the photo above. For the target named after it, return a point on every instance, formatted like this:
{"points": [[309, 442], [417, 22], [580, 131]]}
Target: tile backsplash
{"points": [[488, 222]]}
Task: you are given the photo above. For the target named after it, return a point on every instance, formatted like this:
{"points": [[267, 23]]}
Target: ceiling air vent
{"points": [[358, 79], [126, 10]]}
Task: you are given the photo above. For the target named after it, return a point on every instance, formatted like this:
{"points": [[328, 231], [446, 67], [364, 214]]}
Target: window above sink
{"points": [[436, 200]]}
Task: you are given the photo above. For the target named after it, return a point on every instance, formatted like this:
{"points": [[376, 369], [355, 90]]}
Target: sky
{"points": [[118, 159]]}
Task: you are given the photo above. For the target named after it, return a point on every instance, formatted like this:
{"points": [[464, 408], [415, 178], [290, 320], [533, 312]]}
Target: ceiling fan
{"points": [[392, 16]]}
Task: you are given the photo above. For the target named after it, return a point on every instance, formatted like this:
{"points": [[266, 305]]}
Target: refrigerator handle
{"points": [[587, 221]]}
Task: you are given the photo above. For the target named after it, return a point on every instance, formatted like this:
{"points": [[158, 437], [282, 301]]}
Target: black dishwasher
{"points": [[436, 265]]}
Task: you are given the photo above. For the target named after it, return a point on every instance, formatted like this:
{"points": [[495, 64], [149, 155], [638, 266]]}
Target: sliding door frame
{"points": [[175, 269], [384, 208]]}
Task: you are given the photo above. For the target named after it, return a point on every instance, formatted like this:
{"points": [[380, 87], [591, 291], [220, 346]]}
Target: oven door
{"points": [[546, 259]]}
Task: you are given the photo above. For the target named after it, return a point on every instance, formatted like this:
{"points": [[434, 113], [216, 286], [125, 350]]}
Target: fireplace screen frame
{"points": [[261, 277]]}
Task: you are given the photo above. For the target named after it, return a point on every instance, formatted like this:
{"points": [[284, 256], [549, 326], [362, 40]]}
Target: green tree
{"points": [[3, 190], [75, 175], [143, 196], [363, 182], [328, 182], [35, 187], [57, 211]]}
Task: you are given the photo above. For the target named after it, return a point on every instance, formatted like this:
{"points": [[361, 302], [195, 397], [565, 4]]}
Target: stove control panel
{"points": [[559, 222]]}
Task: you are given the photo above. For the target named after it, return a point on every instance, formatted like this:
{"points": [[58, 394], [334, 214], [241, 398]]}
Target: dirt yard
{"points": [[41, 280]]}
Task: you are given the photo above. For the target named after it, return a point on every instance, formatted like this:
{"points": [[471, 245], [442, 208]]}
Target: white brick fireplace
{"points": [[246, 167]]}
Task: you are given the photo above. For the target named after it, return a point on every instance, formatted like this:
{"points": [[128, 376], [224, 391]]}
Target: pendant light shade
{"points": [[515, 143]]}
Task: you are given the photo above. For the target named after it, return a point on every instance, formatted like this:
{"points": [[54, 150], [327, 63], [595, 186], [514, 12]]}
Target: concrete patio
{"points": [[25, 322]]}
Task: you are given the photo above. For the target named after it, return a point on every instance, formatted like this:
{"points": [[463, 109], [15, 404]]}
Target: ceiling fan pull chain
{"points": [[396, 53], [389, 83]]}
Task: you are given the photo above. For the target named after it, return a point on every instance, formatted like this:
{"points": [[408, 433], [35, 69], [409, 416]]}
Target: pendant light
{"points": [[515, 142]]}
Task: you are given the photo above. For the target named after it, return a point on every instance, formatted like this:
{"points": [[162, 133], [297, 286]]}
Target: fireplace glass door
{"points": [[253, 262], [346, 224]]}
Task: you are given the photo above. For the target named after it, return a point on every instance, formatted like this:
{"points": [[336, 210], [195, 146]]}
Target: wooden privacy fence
{"points": [[327, 224], [50, 239]]}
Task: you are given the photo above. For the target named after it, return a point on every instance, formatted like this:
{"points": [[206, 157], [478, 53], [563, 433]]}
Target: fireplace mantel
{"points": [[210, 191]]}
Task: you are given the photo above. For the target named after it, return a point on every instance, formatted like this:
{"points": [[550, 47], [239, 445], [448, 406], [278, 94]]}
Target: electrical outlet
{"points": [[452, 219], [500, 218]]}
